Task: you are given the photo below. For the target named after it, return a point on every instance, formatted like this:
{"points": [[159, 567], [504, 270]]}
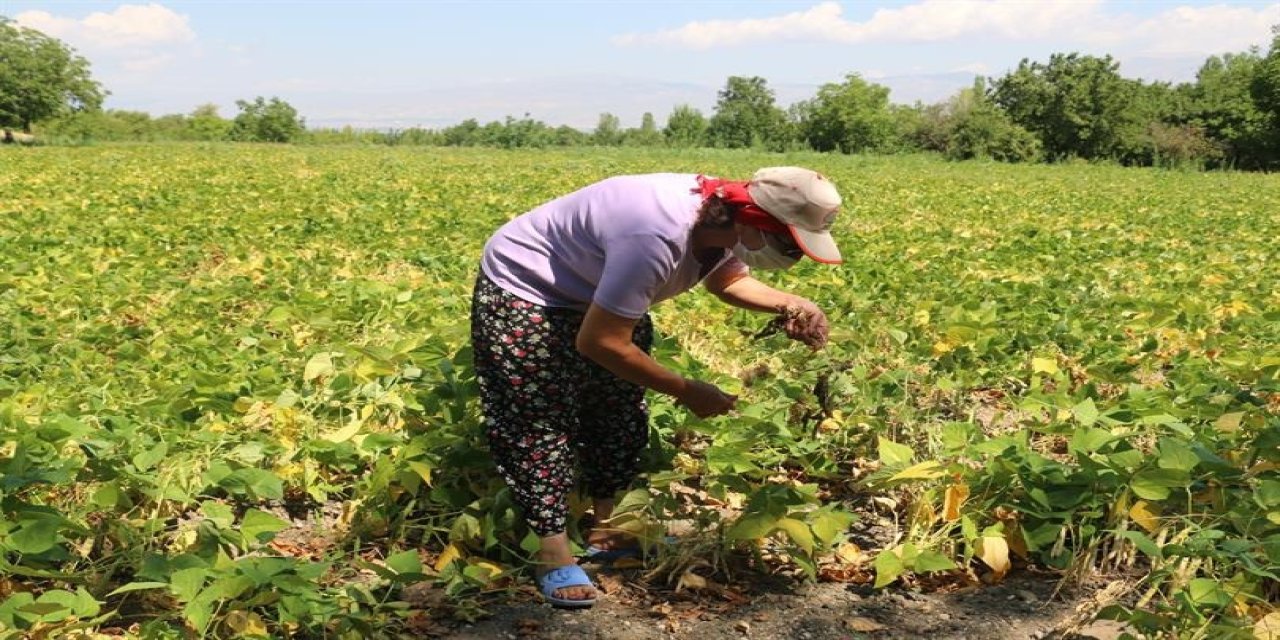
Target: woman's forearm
{"points": [[751, 294], [629, 362]]}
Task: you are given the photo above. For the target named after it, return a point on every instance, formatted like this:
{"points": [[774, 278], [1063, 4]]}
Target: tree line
{"points": [[1070, 106]]}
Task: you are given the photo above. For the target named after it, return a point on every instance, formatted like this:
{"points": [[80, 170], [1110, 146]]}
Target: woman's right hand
{"points": [[705, 400]]}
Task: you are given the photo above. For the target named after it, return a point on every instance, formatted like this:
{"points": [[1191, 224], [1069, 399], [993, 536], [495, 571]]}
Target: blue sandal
{"points": [[570, 575], [597, 554]]}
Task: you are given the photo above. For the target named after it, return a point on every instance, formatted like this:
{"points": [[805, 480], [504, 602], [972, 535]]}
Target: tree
{"points": [[746, 116], [206, 124], [608, 131], [977, 129], [686, 127], [1265, 89], [266, 121], [1077, 105], [849, 117], [647, 135], [40, 77]]}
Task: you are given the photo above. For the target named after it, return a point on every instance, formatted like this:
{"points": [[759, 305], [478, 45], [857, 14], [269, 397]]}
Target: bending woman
{"points": [[561, 330]]}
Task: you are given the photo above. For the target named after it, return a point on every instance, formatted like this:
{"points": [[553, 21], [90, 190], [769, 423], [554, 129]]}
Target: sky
{"points": [[373, 64]]}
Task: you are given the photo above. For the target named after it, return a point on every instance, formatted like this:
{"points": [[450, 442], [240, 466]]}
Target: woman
{"points": [[561, 330]]}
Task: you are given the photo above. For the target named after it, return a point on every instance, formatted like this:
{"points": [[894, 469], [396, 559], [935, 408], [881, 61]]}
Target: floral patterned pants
{"points": [[548, 409]]}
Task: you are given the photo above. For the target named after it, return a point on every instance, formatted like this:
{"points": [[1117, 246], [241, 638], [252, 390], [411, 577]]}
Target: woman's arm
{"points": [[804, 320], [605, 338]]}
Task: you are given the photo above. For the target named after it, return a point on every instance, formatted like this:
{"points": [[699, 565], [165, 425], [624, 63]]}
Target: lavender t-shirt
{"points": [[623, 244]]}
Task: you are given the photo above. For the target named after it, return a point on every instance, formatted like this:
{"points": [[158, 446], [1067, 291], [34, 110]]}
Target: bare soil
{"points": [[1025, 606]]}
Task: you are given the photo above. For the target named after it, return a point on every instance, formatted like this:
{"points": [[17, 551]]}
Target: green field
{"points": [[1075, 367]]}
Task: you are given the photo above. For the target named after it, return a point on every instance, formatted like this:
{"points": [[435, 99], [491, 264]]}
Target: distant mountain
{"points": [[576, 101]]}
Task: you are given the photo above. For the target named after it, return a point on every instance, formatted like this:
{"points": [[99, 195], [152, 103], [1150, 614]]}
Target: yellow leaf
{"points": [[1147, 515], [245, 623], [450, 553], [994, 552], [494, 570], [849, 553], [1044, 365], [926, 470], [952, 501], [943, 347], [422, 469], [1268, 628], [344, 434]]}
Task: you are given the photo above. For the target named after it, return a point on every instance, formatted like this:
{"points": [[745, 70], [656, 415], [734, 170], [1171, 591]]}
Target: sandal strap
{"points": [[570, 575]]}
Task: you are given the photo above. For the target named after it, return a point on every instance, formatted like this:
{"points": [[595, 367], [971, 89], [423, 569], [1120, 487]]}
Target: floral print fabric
{"points": [[547, 409]]}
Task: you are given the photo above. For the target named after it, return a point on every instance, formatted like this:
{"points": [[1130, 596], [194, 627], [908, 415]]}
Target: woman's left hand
{"points": [[805, 322]]}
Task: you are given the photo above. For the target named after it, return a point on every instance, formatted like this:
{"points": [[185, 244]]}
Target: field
{"points": [[236, 396]]}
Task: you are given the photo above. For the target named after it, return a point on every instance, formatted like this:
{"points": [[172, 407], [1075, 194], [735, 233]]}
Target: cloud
{"points": [[977, 68], [137, 38], [1177, 30], [130, 25], [930, 20]]}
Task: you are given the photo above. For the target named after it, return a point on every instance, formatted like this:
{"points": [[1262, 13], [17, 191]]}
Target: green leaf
{"points": [[80, 603], [1085, 412], [829, 524], [1142, 542], [1089, 439], [405, 562], [930, 561], [888, 567], [218, 513], [1205, 592], [151, 457], [320, 365], [138, 586], [186, 583], [107, 496], [752, 527], [798, 532], [260, 526], [1267, 495], [1154, 484], [1174, 454], [894, 454], [37, 533]]}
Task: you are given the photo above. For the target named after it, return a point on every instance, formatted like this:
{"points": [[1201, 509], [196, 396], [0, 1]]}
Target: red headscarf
{"points": [[735, 193]]}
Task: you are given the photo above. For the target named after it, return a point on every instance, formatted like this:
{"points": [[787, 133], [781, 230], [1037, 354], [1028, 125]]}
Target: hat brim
{"points": [[818, 245]]}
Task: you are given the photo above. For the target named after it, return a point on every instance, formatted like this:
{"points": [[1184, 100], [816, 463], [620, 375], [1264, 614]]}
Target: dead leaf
{"points": [[1268, 628], [691, 580], [609, 584], [862, 625], [850, 553], [955, 496], [994, 552]]}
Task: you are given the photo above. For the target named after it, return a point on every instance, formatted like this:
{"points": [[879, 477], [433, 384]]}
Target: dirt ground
{"points": [[1023, 607]]}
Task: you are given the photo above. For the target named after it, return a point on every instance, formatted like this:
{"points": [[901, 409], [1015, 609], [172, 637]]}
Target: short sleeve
{"points": [[635, 267]]}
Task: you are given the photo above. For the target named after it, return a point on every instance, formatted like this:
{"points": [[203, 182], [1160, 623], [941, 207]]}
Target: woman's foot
{"points": [[554, 555], [584, 592]]}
